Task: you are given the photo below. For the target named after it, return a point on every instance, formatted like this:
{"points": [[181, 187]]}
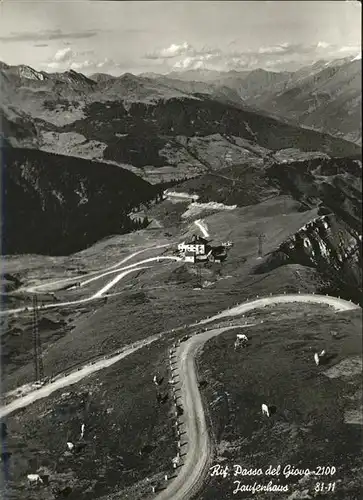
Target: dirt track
{"points": [[72, 378], [123, 271]]}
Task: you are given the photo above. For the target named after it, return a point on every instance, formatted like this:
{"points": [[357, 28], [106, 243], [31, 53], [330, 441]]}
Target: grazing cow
{"points": [[319, 357], [82, 430], [242, 336], [241, 339], [70, 446], [265, 410], [34, 479]]}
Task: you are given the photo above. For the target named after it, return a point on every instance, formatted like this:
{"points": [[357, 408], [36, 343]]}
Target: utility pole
{"points": [[260, 241], [199, 275], [38, 360]]}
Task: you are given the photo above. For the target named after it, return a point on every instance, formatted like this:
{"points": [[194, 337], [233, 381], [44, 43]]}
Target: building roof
{"points": [[197, 240]]}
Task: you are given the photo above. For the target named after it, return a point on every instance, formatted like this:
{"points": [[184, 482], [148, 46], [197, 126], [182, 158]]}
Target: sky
{"points": [[163, 36]]}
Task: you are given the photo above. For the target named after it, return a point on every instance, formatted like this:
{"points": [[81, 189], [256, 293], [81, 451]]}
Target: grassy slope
{"points": [[158, 299], [118, 407], [278, 368], [169, 299]]}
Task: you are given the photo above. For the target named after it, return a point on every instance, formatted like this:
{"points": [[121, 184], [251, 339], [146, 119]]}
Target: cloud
{"points": [[275, 49], [94, 66], [63, 55], [322, 45], [28, 36], [280, 56], [172, 51], [350, 49], [86, 61], [40, 45]]}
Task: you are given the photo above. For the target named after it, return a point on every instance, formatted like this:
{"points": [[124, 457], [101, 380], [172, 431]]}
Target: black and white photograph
{"points": [[181, 250]]}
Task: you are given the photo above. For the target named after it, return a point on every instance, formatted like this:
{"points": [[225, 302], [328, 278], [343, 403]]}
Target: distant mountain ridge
{"points": [[328, 100], [159, 128], [324, 96]]}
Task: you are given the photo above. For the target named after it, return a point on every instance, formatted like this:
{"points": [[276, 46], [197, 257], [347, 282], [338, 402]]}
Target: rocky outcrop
{"points": [[329, 246], [332, 243]]}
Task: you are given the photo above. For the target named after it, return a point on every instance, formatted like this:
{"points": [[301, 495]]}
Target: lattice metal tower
{"points": [[38, 360]]}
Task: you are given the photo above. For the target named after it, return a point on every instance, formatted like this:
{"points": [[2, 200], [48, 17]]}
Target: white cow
{"points": [[318, 356], [70, 446], [34, 479], [265, 410], [242, 337]]}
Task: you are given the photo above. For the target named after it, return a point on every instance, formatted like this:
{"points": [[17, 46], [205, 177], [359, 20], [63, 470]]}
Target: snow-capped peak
{"points": [[358, 57]]}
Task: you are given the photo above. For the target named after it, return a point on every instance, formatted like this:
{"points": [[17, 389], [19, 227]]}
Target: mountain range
{"points": [[101, 132], [324, 96], [163, 128]]}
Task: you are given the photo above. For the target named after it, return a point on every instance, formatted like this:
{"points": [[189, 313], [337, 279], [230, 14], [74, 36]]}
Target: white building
{"points": [[189, 257], [197, 248]]}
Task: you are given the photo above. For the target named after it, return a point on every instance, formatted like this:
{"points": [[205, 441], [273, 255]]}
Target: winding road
{"points": [[52, 284], [72, 378], [198, 457], [197, 442], [122, 272]]}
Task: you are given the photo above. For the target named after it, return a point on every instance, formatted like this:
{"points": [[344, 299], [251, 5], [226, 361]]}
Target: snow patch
{"points": [[197, 208], [183, 196], [203, 227]]}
